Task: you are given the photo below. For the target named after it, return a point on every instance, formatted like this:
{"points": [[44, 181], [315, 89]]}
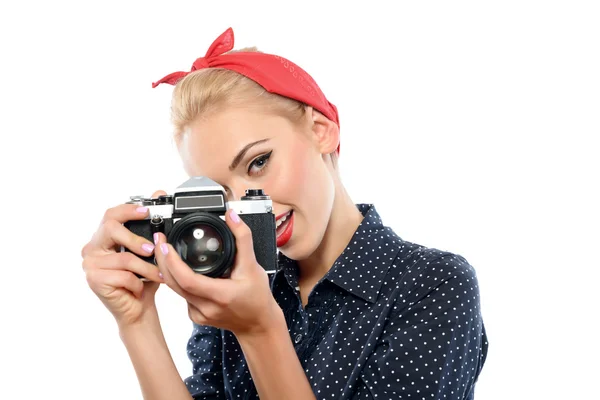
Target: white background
{"points": [[473, 127]]}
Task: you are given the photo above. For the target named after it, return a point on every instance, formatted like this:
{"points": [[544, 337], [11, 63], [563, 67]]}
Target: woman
{"points": [[354, 312]]}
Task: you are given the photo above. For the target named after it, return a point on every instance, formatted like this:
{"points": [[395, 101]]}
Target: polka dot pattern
{"points": [[390, 320]]}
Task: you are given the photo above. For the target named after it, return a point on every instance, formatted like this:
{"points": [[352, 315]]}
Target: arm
{"points": [[274, 365], [434, 344], [156, 371], [152, 361], [243, 305]]}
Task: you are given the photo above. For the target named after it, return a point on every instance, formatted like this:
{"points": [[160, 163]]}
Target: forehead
{"points": [[209, 144]]}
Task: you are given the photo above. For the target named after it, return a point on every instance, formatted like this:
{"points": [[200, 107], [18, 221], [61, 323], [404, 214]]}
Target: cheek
{"points": [[301, 182], [292, 178], [281, 182]]}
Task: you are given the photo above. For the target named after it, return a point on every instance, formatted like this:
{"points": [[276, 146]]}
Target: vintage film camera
{"points": [[193, 220]]}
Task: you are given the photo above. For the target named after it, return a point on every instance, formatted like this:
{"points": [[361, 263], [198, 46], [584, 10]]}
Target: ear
{"points": [[325, 132]]}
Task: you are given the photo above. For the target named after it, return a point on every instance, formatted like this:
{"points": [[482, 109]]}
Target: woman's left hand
{"points": [[242, 303]]}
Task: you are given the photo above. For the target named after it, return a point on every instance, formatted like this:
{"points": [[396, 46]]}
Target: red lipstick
{"points": [[284, 231]]}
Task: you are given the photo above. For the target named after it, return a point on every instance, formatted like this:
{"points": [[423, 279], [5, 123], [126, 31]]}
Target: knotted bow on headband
{"points": [[276, 74]]}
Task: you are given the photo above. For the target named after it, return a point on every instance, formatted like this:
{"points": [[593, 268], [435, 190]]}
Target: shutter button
{"points": [[298, 338]]}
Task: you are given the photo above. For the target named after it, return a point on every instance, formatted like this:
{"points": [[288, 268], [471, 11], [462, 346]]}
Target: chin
{"points": [[294, 252], [300, 247], [305, 238]]}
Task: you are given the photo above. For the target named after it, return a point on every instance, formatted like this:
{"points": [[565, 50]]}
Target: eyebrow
{"points": [[242, 153]]}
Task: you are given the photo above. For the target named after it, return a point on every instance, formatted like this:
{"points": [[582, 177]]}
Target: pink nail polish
{"points": [[234, 217], [156, 238], [164, 248], [147, 247], [160, 275], [142, 210]]}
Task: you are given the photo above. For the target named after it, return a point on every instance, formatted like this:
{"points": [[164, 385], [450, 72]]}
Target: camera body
{"points": [[193, 220]]}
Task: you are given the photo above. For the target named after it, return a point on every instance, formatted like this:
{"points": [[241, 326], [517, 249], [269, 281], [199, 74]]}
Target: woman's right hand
{"points": [[111, 273]]}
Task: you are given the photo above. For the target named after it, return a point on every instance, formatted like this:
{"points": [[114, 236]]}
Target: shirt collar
{"points": [[372, 242]]}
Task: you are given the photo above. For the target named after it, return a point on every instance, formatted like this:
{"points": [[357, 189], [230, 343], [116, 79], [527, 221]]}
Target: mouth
{"points": [[285, 225]]}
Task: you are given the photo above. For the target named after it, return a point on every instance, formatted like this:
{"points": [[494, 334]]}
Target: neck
{"points": [[345, 219]]}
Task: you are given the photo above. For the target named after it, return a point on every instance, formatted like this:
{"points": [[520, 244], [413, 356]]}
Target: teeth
{"points": [[282, 220]]}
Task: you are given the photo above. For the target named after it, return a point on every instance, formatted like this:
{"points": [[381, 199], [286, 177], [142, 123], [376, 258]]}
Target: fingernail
{"points": [[142, 209], [160, 275], [156, 238], [164, 248], [147, 247], [234, 217]]}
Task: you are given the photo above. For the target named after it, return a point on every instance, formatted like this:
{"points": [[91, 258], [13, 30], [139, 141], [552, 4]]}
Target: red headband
{"points": [[275, 74]]}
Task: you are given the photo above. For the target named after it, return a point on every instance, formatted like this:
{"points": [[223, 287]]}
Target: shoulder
{"points": [[419, 271], [435, 289], [413, 258], [404, 266]]}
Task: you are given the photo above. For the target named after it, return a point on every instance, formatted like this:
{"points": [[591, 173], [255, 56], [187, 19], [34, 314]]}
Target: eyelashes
{"points": [[259, 164]]}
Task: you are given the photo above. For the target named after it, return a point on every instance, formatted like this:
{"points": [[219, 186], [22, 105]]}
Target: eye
{"points": [[258, 165]]}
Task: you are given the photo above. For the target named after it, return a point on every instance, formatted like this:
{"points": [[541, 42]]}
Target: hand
{"points": [[242, 303], [110, 273]]}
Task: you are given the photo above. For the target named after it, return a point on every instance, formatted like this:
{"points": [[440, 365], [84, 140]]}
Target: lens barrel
{"points": [[205, 243]]}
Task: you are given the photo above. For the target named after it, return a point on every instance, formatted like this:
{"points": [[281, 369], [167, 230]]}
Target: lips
{"points": [[285, 226], [282, 217]]}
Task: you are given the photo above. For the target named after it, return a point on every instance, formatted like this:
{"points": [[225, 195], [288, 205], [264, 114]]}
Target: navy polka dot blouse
{"points": [[390, 320]]}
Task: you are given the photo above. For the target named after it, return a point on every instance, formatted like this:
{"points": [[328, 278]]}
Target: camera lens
{"points": [[204, 243]]}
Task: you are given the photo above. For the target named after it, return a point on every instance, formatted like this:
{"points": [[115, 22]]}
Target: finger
{"points": [[167, 277], [196, 315], [121, 214], [243, 239], [204, 312], [123, 261], [125, 212], [166, 274], [182, 278], [104, 282], [112, 233], [210, 310], [158, 193]]}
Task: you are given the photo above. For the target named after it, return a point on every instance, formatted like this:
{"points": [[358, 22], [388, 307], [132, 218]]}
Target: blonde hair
{"points": [[206, 91]]}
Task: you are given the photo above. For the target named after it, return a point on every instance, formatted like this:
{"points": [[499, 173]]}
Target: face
{"points": [[247, 148]]}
